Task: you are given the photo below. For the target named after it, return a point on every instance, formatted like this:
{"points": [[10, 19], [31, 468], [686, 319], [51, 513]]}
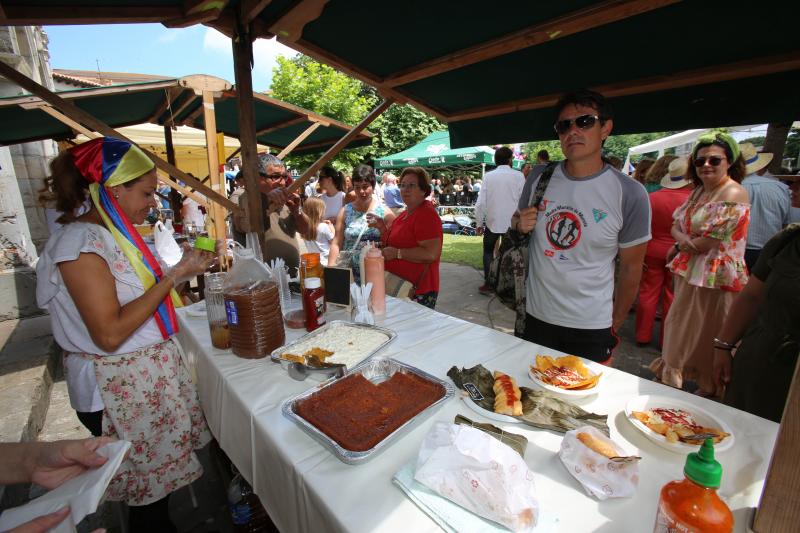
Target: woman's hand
{"points": [[193, 263], [671, 253], [722, 369], [389, 253], [374, 221]]}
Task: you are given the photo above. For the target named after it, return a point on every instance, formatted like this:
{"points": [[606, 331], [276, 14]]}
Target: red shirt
{"points": [[406, 232], [664, 202]]}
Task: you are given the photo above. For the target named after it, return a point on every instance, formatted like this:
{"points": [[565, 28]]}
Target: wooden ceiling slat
{"points": [[291, 24], [252, 8], [718, 73], [280, 125], [176, 113], [26, 15], [582, 20], [170, 96], [199, 17]]}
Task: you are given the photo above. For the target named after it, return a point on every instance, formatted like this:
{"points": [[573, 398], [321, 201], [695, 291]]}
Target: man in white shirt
{"points": [[497, 201], [590, 213]]}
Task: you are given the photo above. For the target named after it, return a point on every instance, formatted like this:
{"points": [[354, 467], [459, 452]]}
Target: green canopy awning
{"points": [[434, 151]]}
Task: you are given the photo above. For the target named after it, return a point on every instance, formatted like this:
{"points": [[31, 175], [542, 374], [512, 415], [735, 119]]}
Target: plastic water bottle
{"points": [[247, 513]]}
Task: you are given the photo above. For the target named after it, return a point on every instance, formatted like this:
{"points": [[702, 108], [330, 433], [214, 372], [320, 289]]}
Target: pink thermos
{"points": [[373, 264]]}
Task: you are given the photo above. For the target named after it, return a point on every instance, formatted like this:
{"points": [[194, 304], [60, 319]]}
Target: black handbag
{"points": [[508, 271]]}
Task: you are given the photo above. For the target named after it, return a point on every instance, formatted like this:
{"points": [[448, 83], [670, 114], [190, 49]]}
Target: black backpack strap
{"points": [[541, 185]]}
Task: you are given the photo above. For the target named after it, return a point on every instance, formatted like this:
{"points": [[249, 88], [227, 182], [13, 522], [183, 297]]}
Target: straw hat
{"points": [[754, 160], [676, 175]]}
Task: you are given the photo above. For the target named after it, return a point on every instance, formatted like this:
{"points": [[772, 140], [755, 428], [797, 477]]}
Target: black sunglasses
{"points": [[583, 122], [714, 161]]}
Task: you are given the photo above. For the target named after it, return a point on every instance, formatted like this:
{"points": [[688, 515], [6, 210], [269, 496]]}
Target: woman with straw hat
{"points": [[707, 261], [656, 278], [112, 306]]}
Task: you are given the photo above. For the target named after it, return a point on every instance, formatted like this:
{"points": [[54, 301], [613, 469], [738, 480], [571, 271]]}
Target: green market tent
{"points": [[434, 151]]}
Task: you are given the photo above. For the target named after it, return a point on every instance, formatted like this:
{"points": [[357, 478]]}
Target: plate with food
{"points": [[569, 375], [677, 425], [507, 399]]}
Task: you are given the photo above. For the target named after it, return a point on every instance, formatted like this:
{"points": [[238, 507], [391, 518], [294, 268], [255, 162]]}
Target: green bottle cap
{"points": [[702, 468], [205, 243]]}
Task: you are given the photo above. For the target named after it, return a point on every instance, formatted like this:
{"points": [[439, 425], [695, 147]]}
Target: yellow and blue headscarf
{"points": [[106, 162]]}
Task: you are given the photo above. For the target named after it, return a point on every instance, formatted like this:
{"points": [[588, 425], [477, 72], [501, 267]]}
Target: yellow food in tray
{"points": [[566, 372]]}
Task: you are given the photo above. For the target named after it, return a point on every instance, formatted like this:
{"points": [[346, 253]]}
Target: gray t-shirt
{"points": [[582, 224]]}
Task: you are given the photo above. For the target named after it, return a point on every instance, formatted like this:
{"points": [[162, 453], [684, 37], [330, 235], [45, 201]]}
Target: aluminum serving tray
{"points": [[376, 370], [390, 335]]}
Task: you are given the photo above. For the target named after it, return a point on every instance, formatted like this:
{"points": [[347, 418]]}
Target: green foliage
{"points": [[758, 142], [616, 145], [307, 83], [553, 148], [463, 249], [792, 149]]}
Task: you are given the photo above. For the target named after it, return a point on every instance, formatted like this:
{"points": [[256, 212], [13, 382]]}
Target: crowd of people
{"points": [[709, 241]]}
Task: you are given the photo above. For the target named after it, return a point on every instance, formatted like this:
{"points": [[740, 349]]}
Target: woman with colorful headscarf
{"points": [[112, 307], [707, 261]]}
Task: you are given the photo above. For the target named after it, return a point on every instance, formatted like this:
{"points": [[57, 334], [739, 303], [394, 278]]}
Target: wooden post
{"points": [[168, 144], [779, 509], [242, 61], [217, 213], [340, 144], [79, 115], [80, 128]]}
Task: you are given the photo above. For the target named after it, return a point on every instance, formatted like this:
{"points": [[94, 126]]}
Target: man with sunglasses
{"points": [[590, 213], [281, 214]]}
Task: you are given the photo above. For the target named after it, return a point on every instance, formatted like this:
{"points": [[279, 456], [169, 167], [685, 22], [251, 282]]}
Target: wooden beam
{"points": [[340, 144], [34, 101], [779, 509], [280, 125], [176, 113], [291, 24], [210, 120], [199, 17], [80, 128], [186, 191], [191, 117], [25, 15], [578, 21], [714, 74], [2, 12], [300, 138], [234, 154], [168, 145], [170, 97], [252, 8], [242, 55], [79, 115]]}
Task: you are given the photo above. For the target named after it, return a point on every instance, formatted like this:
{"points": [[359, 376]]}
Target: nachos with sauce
{"points": [[568, 372]]}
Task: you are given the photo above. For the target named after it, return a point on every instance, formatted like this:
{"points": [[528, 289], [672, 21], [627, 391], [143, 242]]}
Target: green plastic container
{"points": [[205, 243]]}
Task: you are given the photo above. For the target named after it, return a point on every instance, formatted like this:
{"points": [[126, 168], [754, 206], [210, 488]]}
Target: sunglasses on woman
{"points": [[583, 122], [714, 161]]}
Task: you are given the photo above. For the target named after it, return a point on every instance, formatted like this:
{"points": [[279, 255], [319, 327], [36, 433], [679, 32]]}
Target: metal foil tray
{"points": [[375, 370]]}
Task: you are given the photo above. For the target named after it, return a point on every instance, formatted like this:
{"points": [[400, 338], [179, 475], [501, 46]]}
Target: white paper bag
{"points": [[166, 246], [600, 476], [480, 473]]}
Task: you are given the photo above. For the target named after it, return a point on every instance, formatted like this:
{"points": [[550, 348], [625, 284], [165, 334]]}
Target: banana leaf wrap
{"points": [[540, 409]]}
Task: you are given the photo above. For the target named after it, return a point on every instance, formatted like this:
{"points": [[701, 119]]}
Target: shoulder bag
{"points": [[508, 271]]}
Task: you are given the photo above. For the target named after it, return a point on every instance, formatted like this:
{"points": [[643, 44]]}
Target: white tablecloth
{"points": [[305, 488]]}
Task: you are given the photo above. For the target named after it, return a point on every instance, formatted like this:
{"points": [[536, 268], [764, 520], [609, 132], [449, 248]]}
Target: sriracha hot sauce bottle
{"points": [[692, 505]]}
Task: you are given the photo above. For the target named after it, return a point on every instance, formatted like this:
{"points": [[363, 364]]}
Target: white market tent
{"points": [[687, 137]]}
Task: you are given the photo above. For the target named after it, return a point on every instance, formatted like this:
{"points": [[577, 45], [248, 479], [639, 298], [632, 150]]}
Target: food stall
{"points": [[300, 481]]}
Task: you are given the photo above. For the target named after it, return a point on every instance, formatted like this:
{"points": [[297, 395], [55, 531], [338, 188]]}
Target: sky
{"points": [[154, 49]]}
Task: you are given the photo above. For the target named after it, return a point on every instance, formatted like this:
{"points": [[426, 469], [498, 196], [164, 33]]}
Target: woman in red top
{"points": [[413, 244], [656, 276]]}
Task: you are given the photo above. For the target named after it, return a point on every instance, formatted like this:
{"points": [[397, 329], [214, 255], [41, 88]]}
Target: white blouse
{"points": [[69, 330]]}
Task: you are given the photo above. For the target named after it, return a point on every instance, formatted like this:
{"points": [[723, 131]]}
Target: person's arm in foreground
{"points": [[742, 313], [630, 272]]}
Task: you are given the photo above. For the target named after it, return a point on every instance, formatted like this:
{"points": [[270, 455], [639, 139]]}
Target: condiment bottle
{"points": [[310, 267], [692, 505], [374, 272], [215, 310], [314, 303]]}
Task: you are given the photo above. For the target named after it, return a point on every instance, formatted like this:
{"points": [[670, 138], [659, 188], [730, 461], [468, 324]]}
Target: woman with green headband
{"points": [[112, 307], [707, 262]]}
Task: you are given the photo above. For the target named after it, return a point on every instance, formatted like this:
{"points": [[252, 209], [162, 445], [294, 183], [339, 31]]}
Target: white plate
{"points": [[701, 416], [594, 368], [489, 414]]}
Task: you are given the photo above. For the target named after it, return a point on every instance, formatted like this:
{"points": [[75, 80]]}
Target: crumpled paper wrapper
{"points": [[479, 473], [600, 476]]}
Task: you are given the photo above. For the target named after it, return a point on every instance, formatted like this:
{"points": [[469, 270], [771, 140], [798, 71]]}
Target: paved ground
{"points": [[203, 509]]}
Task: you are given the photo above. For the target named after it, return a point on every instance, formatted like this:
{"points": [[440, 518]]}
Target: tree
{"points": [[775, 143], [616, 145], [307, 83], [553, 149]]}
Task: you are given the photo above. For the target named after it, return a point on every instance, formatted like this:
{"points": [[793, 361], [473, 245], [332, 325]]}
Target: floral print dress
{"points": [[355, 224], [722, 267]]}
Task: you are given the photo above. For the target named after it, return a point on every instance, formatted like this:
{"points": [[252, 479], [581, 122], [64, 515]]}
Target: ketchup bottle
{"points": [[314, 303], [692, 505]]}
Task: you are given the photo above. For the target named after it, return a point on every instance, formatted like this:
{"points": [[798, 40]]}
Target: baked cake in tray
{"points": [[358, 414]]}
